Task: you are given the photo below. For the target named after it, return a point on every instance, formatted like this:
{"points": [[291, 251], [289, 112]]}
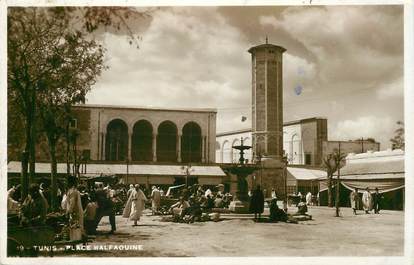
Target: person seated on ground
{"points": [[179, 209], [302, 207], [200, 191], [276, 214], [12, 204], [194, 211], [227, 199], [90, 216], [207, 193], [34, 208], [218, 202], [209, 202]]}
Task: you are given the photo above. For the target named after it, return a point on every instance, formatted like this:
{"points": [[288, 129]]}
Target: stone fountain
{"points": [[241, 202]]}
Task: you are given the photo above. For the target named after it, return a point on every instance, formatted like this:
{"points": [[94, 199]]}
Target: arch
{"points": [[218, 152], [141, 149], [224, 152], [167, 142], [116, 146], [218, 147], [295, 149], [182, 123], [141, 117], [191, 143]]}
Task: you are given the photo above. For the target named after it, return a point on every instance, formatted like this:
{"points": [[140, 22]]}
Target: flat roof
{"points": [[266, 45], [233, 132], [97, 106], [284, 124]]}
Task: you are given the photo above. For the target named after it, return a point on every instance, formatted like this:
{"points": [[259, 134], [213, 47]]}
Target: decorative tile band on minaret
{"points": [[267, 100]]}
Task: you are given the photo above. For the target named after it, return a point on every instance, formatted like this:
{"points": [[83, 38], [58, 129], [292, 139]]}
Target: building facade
{"points": [[349, 147], [115, 133], [305, 142], [149, 146], [302, 142]]}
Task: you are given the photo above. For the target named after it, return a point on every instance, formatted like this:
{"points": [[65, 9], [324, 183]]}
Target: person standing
{"points": [[377, 197], [131, 188], [90, 216], [135, 205], [74, 207], [257, 202], [367, 200], [354, 198], [156, 200], [308, 198], [273, 194], [105, 207]]}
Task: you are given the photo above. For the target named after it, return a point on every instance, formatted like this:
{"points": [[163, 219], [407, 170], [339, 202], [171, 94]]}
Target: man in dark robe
{"points": [[105, 208], [257, 202], [377, 197]]}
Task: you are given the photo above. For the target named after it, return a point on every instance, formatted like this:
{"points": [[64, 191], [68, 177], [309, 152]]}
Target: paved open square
{"points": [[325, 235]]}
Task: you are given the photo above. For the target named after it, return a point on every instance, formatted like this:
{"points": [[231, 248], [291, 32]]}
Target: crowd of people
{"points": [[369, 201], [197, 204], [82, 206], [85, 206]]}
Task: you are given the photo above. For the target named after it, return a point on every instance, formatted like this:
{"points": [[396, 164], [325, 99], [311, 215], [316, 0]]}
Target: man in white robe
{"points": [[354, 199], [156, 200], [74, 208], [367, 200], [135, 205], [308, 198]]}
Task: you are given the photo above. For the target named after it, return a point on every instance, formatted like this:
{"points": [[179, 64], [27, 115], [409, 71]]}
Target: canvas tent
{"points": [[383, 170]]}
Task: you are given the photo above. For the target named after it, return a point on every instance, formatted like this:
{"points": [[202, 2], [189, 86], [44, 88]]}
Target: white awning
{"points": [[304, 173], [122, 169]]}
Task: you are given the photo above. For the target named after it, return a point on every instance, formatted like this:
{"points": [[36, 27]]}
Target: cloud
{"points": [[188, 58], [346, 62], [349, 42], [380, 128], [394, 89]]}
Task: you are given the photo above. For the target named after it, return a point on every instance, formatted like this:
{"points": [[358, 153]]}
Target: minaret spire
{"points": [[266, 39]]}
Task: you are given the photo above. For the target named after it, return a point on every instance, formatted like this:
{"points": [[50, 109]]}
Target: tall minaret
{"points": [[267, 100]]}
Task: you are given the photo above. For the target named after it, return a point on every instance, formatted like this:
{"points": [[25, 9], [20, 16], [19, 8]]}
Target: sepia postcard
{"points": [[173, 132]]}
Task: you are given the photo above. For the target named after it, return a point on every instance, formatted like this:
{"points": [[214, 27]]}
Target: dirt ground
{"points": [[325, 235]]}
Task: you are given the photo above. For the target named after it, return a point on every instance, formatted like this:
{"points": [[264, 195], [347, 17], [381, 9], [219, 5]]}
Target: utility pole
{"points": [[362, 144], [338, 161]]}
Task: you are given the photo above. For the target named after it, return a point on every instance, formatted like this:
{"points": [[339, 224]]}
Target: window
{"points": [[308, 159], [73, 123]]}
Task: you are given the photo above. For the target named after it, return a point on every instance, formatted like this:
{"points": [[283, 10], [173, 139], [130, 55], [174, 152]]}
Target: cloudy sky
{"points": [[344, 63]]}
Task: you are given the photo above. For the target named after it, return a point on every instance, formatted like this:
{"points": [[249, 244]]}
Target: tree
{"points": [[338, 159], [398, 141], [29, 79], [330, 170], [332, 163], [51, 67]]}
